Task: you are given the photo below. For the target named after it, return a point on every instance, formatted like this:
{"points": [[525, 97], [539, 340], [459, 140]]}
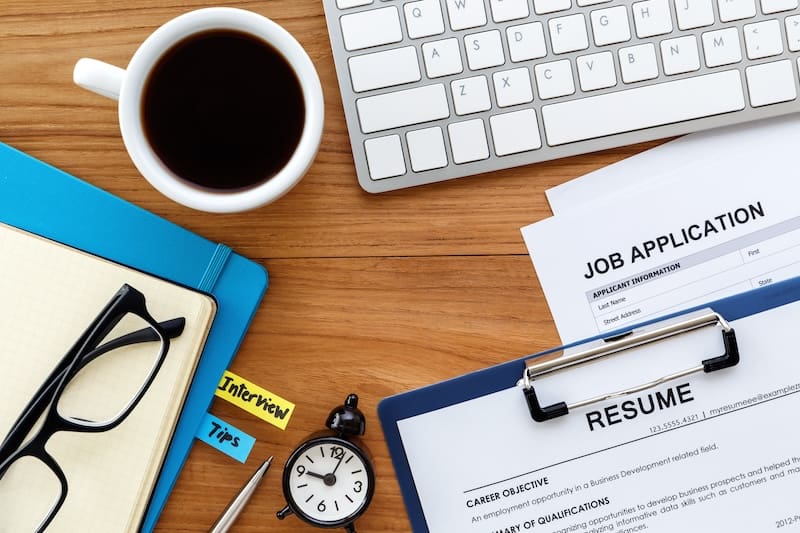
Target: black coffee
{"points": [[223, 110]]}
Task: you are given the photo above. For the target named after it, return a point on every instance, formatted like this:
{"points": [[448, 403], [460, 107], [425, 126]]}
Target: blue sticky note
{"points": [[225, 437]]}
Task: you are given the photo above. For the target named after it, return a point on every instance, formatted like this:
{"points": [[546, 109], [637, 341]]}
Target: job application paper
{"points": [[709, 452], [683, 241]]}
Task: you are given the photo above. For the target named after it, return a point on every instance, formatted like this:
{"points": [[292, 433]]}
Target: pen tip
{"points": [[262, 470]]}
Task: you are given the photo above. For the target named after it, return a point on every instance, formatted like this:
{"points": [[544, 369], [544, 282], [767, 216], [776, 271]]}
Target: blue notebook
{"points": [[41, 199]]}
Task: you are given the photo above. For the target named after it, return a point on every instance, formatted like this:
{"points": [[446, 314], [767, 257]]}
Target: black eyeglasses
{"points": [[87, 393]]}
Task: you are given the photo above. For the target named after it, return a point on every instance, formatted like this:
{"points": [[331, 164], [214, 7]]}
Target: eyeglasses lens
{"points": [[105, 389], [31, 490]]}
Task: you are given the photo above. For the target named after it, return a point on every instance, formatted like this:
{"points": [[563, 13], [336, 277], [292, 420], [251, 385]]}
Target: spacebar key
{"points": [[643, 107], [402, 108]]}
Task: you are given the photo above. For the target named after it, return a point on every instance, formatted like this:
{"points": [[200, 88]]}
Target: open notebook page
{"points": [[50, 294]]}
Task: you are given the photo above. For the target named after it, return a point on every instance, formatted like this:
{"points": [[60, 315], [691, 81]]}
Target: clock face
{"points": [[328, 481]]}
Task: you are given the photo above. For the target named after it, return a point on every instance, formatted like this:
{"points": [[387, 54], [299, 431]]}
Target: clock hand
{"points": [[328, 479], [314, 474], [337, 465]]}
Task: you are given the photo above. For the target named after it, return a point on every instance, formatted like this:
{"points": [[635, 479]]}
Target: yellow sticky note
{"points": [[255, 400]]}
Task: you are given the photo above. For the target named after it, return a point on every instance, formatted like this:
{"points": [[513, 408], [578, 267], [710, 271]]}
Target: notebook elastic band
{"points": [[214, 268]]}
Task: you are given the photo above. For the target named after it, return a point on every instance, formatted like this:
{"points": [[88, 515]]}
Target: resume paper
{"points": [[707, 452]]}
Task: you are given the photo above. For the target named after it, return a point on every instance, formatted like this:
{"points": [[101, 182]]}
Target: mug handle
{"points": [[98, 77]]}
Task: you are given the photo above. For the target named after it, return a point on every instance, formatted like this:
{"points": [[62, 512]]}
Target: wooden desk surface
{"points": [[368, 294]]}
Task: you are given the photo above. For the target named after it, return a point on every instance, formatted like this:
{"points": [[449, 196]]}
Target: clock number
{"points": [[358, 486], [301, 470], [321, 506], [337, 452]]}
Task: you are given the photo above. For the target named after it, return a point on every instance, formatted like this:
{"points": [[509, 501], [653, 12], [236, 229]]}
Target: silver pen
{"points": [[228, 517]]}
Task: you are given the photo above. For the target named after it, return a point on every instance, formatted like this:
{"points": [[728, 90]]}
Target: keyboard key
{"points": [[526, 41], [730, 10], [584, 3], [512, 87], [371, 28], [505, 10], [694, 13], [402, 108], [651, 18], [344, 4], [776, 6], [465, 14], [550, 6], [367, 72], [638, 63], [763, 39], [610, 26], [722, 47], [568, 34], [639, 108], [515, 132], [470, 95], [680, 55], [468, 141], [484, 50], [424, 18], [771, 83], [554, 79], [596, 71], [426, 149], [793, 32], [385, 157], [442, 58]]}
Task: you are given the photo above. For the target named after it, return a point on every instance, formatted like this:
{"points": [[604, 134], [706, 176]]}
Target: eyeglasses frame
{"points": [[127, 300]]}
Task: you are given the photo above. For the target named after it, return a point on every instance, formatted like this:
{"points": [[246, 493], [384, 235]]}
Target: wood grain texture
{"points": [[369, 294]]}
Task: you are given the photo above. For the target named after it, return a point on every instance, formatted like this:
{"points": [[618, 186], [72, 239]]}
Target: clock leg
{"points": [[283, 513], [350, 528]]}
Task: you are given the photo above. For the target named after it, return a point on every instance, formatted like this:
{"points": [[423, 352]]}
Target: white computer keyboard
{"points": [[440, 89]]}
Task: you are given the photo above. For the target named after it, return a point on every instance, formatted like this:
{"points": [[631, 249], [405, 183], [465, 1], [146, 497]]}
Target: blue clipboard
{"points": [[498, 378], [44, 200]]}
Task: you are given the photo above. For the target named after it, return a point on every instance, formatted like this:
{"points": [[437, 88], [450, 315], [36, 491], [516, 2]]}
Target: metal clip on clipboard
{"points": [[590, 352]]}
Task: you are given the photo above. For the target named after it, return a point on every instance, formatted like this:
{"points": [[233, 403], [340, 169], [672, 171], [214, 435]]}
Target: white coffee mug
{"points": [[127, 86]]}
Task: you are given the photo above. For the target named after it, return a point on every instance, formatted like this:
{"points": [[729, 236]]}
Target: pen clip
{"points": [[590, 352]]}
